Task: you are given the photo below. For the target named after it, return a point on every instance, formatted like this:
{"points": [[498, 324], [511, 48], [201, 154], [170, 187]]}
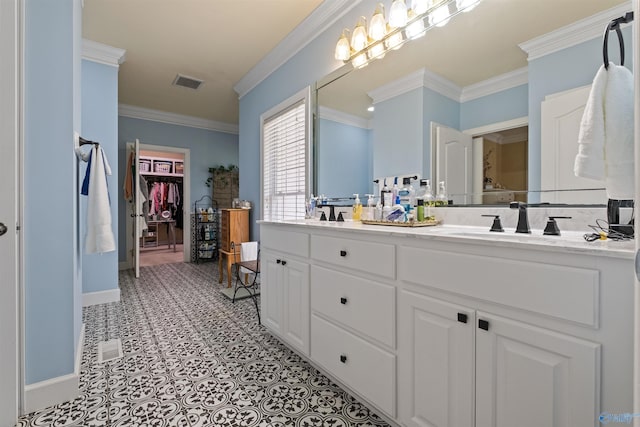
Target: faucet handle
{"points": [[497, 225], [552, 226]]}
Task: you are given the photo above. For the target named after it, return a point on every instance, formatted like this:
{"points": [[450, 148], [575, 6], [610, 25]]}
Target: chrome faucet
{"points": [[523, 220]]}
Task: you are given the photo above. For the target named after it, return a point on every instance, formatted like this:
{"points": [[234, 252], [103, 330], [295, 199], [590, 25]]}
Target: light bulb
{"points": [[398, 14], [359, 37], [359, 61], [415, 29], [466, 5], [440, 17], [378, 26], [376, 51], [343, 49], [420, 6], [395, 41]]}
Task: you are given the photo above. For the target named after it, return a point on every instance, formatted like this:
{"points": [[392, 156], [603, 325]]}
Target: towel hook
{"points": [[614, 25]]}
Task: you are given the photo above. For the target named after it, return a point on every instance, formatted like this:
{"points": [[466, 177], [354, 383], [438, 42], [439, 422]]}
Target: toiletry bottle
{"points": [[377, 216], [357, 208], [394, 190], [420, 210], [371, 207], [422, 190], [428, 200], [385, 195], [405, 194], [441, 197]]}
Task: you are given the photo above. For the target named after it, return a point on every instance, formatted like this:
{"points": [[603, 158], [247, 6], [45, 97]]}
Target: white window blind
{"points": [[284, 167]]}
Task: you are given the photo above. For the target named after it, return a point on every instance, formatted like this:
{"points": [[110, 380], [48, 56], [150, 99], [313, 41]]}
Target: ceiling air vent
{"points": [[186, 81]]}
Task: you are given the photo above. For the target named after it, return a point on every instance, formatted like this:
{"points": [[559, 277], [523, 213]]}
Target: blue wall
{"points": [[567, 69], [498, 107], [347, 147], [51, 258], [100, 123], [439, 109], [208, 149]]}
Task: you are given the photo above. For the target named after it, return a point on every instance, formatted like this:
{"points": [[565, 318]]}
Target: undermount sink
{"points": [[510, 235]]}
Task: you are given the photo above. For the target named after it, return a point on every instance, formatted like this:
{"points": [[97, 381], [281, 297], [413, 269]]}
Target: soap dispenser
{"points": [[441, 197], [371, 207], [385, 195], [357, 208]]}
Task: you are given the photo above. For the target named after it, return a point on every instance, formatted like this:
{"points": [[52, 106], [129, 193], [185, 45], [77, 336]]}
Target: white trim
{"points": [[495, 127], [124, 265], [495, 84], [443, 86], [102, 53], [175, 119], [100, 297], [55, 390], [344, 118], [573, 34], [315, 24], [397, 87]]}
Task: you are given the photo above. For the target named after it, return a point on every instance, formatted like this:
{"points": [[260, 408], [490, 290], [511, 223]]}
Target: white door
{"points": [[454, 163], [271, 291], [531, 377], [435, 342], [561, 116], [9, 211], [296, 304]]}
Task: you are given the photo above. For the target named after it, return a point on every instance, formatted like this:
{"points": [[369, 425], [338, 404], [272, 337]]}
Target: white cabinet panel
{"points": [[282, 240], [531, 377], [296, 304], [436, 363], [271, 292], [370, 257]]}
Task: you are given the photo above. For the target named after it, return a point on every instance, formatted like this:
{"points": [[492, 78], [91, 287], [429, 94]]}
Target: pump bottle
{"points": [[406, 194], [385, 195], [441, 197], [371, 207], [357, 208]]}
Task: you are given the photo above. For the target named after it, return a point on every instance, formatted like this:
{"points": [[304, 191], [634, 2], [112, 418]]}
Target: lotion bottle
{"points": [[357, 208]]}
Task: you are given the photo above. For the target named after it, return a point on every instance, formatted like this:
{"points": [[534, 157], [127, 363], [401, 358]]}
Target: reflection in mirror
{"points": [[499, 98]]}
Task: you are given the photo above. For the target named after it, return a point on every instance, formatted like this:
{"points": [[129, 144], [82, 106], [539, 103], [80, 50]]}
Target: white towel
{"points": [[248, 252], [99, 237], [605, 150]]}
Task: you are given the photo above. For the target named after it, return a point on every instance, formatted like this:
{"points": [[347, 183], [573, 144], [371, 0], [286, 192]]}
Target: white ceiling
{"points": [[219, 41]]}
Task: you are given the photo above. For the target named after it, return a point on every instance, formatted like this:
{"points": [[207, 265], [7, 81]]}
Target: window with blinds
{"points": [[284, 163]]}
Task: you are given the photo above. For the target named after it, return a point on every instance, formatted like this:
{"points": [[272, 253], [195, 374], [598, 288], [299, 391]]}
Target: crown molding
{"points": [[344, 118], [573, 34], [319, 20], [443, 86], [102, 53], [495, 84], [175, 119], [397, 87]]}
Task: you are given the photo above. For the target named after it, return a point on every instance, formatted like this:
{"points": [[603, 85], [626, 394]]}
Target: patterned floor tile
{"points": [[191, 358]]}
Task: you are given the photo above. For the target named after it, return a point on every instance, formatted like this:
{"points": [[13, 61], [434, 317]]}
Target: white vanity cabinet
{"points": [[285, 287]]}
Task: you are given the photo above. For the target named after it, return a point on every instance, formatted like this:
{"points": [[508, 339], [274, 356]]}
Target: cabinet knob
{"points": [[278, 261], [483, 324], [462, 318], [343, 358], [284, 262], [343, 300], [343, 253]]}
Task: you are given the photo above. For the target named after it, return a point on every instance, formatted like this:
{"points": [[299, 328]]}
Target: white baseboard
{"points": [[55, 390], [102, 297], [124, 265]]}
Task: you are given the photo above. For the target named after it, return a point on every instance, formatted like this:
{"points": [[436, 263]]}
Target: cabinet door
{"points": [[271, 291], [295, 328], [527, 376], [435, 350]]}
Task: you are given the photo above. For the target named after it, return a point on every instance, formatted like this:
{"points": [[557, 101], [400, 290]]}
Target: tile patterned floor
{"points": [[192, 358]]}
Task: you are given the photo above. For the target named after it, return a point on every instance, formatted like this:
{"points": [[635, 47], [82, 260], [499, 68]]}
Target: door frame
{"points": [[186, 197], [11, 135]]}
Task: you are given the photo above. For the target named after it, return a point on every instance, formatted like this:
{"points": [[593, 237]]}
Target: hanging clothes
{"points": [[128, 179], [99, 238], [605, 150]]}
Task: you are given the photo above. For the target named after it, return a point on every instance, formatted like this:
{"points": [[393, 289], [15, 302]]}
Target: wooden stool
{"points": [[229, 257]]}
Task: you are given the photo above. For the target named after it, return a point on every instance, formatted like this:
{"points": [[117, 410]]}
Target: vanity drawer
{"points": [[364, 305], [560, 291], [367, 369], [374, 258], [290, 242]]}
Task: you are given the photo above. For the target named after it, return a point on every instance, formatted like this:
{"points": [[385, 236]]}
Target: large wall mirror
{"points": [[434, 100]]}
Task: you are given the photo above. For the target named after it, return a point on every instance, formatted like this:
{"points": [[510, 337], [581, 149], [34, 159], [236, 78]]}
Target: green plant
{"points": [[220, 170]]}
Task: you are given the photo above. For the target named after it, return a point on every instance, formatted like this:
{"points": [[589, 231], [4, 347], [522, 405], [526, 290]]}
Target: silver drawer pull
{"points": [[343, 358]]}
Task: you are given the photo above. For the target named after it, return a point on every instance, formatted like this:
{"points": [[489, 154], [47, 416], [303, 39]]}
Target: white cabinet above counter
{"points": [[462, 329]]}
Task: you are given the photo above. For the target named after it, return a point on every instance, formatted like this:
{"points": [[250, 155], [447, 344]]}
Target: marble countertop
{"points": [[568, 241]]}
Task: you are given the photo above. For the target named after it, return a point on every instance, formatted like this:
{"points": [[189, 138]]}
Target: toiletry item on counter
{"points": [[357, 208], [369, 213], [385, 195], [406, 194], [397, 213], [377, 216], [310, 207], [441, 197], [394, 190], [420, 209]]}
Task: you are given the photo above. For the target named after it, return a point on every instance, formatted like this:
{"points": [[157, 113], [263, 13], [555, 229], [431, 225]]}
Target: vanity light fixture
{"points": [[404, 24]]}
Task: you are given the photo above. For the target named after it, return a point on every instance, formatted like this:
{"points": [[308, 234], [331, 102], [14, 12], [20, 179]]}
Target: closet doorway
{"points": [[164, 229]]}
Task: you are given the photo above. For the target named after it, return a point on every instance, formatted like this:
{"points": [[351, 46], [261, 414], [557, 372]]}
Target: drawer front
{"points": [[563, 292], [366, 368], [361, 304], [282, 240], [374, 258]]}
